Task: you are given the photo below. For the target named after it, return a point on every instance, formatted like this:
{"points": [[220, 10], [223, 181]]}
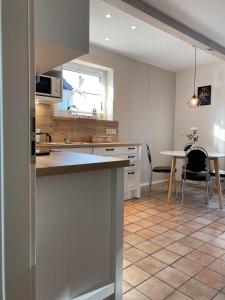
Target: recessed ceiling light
{"points": [[107, 39], [108, 16], [133, 27]]}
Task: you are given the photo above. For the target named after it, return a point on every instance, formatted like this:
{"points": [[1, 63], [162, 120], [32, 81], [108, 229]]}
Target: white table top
{"points": [[181, 154]]}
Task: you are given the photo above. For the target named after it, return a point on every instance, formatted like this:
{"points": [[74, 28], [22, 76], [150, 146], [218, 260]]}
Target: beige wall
{"points": [[144, 100], [209, 119]]}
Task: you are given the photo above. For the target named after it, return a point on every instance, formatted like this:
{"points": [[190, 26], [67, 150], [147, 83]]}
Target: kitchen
{"points": [[96, 106]]}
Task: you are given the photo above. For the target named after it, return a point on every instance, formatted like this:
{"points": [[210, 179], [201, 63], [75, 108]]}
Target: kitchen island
{"points": [[79, 225]]}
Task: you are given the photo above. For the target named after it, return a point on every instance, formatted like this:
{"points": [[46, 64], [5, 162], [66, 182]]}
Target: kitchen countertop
{"points": [[86, 145], [69, 162]]}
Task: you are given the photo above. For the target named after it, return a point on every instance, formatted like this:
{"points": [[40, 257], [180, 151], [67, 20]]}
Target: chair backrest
{"points": [[187, 146], [149, 154], [196, 159]]}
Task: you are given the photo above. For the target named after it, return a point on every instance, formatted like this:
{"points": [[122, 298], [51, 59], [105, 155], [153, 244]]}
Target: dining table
{"points": [[212, 156]]}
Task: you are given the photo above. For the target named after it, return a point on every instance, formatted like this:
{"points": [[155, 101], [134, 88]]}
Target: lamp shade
{"points": [[193, 102]]}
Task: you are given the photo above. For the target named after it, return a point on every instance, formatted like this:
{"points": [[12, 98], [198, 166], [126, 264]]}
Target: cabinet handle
{"points": [[131, 173], [131, 148], [131, 156], [110, 149]]}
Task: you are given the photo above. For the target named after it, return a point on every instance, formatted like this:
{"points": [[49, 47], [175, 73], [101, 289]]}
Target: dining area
{"points": [[195, 165]]}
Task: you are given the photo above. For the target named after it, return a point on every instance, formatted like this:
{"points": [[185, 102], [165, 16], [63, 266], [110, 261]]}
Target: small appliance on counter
{"points": [[42, 152]]}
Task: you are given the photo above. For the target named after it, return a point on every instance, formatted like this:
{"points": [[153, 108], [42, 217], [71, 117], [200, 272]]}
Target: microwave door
{"points": [[44, 86]]}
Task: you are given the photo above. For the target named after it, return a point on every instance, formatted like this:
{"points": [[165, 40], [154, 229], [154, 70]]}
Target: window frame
{"points": [[89, 70]]}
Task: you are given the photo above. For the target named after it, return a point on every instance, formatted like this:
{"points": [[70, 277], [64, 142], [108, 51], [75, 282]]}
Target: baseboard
{"points": [[153, 182]]}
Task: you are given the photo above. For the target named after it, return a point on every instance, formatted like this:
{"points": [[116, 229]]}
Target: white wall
{"points": [[209, 119], [144, 100]]}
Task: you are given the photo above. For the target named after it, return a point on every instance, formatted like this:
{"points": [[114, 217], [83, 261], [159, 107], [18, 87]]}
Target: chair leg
{"points": [[207, 194], [150, 183], [182, 193], [175, 186]]}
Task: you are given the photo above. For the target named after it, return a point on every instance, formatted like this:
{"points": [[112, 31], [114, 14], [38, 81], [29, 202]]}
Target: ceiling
{"points": [[146, 43], [204, 16]]}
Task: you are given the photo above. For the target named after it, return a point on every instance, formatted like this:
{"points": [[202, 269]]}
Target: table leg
{"points": [[216, 166], [170, 187]]}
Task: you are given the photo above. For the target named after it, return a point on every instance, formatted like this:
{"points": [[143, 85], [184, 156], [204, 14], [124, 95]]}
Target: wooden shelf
{"points": [[63, 118]]}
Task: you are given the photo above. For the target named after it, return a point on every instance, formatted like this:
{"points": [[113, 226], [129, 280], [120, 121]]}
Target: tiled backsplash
{"points": [[78, 129]]}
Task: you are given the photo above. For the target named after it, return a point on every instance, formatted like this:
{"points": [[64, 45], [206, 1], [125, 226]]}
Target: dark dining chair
{"points": [[196, 168], [158, 169], [213, 176], [188, 146]]}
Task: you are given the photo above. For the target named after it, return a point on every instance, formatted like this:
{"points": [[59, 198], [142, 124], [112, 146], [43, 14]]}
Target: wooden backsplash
{"points": [[78, 129]]}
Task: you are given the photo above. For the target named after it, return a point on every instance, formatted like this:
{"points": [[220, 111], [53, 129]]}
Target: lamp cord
{"points": [[195, 69]]}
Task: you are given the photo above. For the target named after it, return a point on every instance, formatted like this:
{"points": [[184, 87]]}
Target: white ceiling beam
{"points": [[147, 13]]}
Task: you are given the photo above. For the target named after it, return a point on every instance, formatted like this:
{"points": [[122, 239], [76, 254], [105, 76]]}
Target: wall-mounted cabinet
{"points": [[61, 32]]}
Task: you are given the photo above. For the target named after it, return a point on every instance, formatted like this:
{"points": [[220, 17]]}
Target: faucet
{"points": [[66, 138]]}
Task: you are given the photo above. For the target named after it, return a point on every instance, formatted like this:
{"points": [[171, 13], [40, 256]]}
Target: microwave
{"points": [[48, 86]]}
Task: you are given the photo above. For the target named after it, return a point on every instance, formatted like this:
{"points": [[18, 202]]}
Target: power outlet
{"points": [[111, 131]]}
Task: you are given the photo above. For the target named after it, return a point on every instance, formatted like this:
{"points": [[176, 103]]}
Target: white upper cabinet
{"points": [[61, 32]]}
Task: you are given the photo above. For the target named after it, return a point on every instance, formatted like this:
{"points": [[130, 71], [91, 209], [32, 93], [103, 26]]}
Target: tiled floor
{"points": [[171, 253]]}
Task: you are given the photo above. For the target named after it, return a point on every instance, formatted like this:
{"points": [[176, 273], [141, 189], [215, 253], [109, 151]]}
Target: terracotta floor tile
{"points": [[158, 228], [191, 242], [162, 240], [222, 221], [212, 250], [194, 225], [222, 257], [185, 230], [217, 225], [222, 236], [187, 266], [219, 296], [155, 219], [151, 265], [142, 215], [134, 295], [126, 287], [146, 233], [218, 266], [197, 290], [169, 224], [125, 232], [126, 263], [211, 230], [133, 254], [148, 247], [176, 295], [204, 237], [132, 228], [203, 221], [172, 276], [153, 211], [126, 246], [200, 257], [133, 218], [144, 223], [133, 239], [165, 215], [218, 242], [155, 288], [174, 235], [135, 275], [189, 216], [179, 248], [166, 256], [211, 217], [211, 278]]}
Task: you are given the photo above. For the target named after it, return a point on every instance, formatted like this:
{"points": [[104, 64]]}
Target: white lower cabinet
{"points": [[132, 176], [132, 183]]}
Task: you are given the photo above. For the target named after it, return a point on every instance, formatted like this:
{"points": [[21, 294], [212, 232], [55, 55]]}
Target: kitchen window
{"points": [[86, 91]]}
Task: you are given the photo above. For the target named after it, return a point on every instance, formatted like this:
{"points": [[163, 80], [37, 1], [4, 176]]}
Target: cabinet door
{"points": [[62, 28], [78, 150]]}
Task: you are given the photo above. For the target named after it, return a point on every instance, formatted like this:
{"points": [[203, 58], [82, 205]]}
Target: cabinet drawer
{"points": [[115, 150], [78, 150], [130, 180]]}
